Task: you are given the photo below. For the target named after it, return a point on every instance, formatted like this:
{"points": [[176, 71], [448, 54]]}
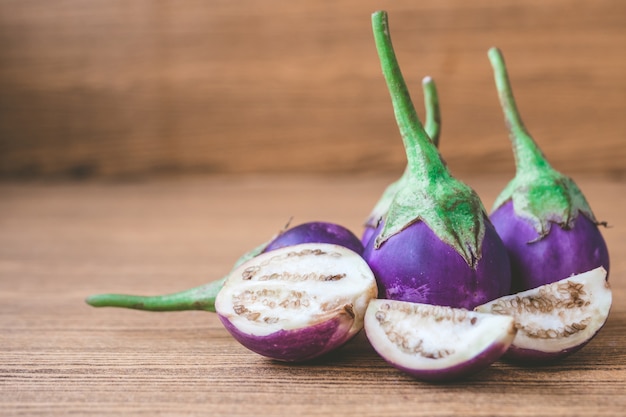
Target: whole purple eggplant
{"points": [[203, 297], [433, 130], [542, 216], [316, 232], [435, 244]]}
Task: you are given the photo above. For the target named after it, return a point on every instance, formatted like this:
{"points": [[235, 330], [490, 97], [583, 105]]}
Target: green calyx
{"points": [[539, 193], [451, 209], [198, 298], [433, 129]]}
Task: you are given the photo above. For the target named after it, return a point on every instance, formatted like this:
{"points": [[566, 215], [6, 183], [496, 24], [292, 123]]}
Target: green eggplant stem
{"points": [[423, 157], [429, 193], [527, 154], [198, 298], [540, 194], [432, 124]]}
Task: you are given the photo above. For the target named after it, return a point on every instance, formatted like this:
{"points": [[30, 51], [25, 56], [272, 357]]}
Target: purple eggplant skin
{"points": [[415, 265], [536, 357], [561, 253], [460, 371], [368, 233], [297, 345], [316, 232]]}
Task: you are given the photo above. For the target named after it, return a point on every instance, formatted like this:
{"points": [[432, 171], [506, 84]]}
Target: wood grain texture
{"points": [[58, 356], [126, 89]]}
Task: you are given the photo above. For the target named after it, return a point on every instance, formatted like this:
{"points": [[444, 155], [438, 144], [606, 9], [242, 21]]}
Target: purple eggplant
{"points": [[433, 129], [203, 297], [542, 216], [435, 244], [316, 232], [297, 302]]}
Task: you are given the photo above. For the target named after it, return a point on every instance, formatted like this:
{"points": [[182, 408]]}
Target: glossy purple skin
{"points": [[299, 344], [317, 232], [415, 265], [368, 234], [538, 357], [560, 254], [465, 369]]}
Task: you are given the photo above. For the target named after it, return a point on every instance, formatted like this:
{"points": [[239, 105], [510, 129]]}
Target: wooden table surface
{"points": [[61, 242]]}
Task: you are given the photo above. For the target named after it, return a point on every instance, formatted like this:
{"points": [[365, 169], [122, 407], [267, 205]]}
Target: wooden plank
{"points": [[133, 89], [61, 242]]}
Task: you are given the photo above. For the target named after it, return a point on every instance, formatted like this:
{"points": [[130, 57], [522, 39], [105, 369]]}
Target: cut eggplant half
{"points": [[436, 343], [555, 320], [298, 302]]}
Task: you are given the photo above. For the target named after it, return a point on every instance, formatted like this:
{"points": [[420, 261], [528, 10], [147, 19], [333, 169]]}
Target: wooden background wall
{"points": [[126, 89]]}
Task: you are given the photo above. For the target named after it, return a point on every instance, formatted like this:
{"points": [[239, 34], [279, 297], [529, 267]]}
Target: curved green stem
{"points": [[540, 194], [429, 193], [198, 298], [528, 156], [424, 160], [433, 112]]}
